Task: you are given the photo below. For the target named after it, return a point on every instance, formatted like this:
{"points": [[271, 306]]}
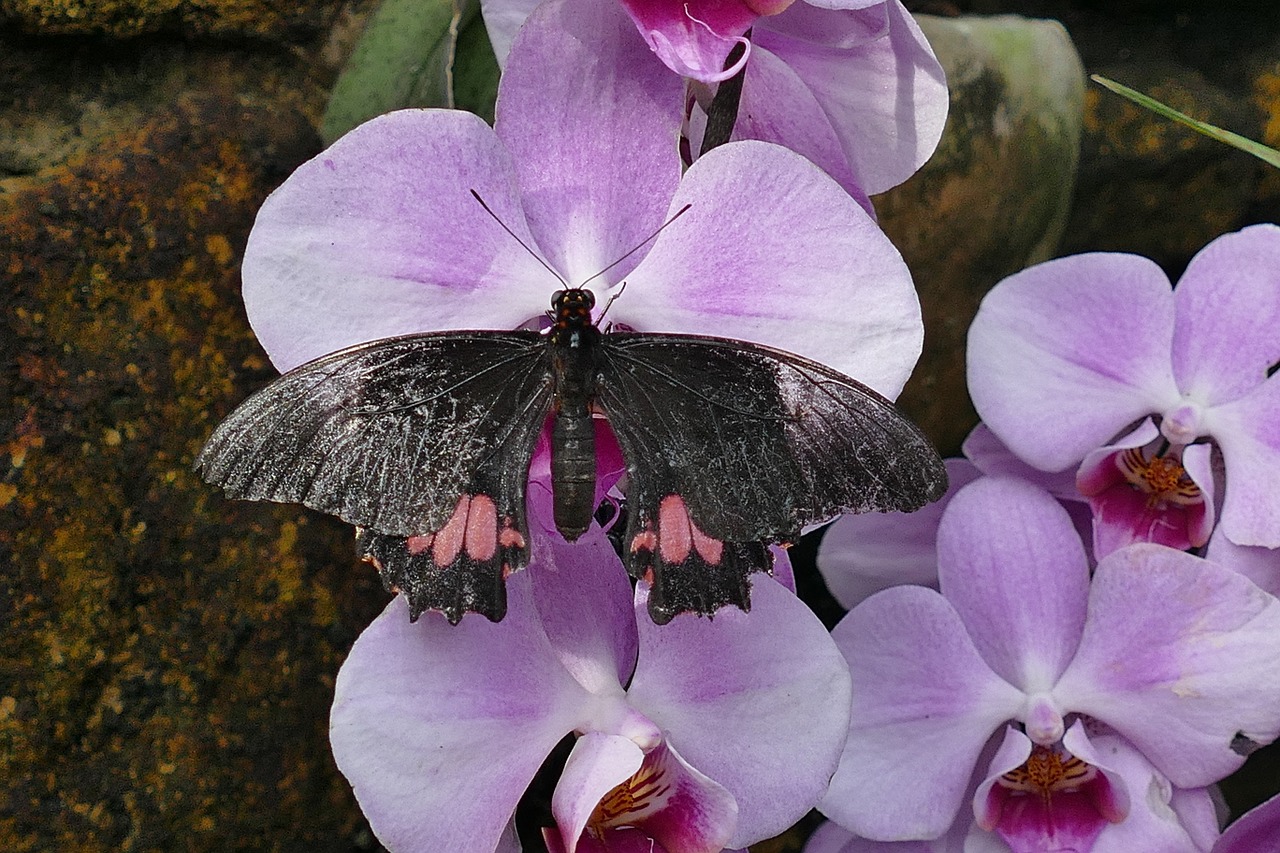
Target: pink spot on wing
{"points": [[645, 540], [675, 530], [481, 534], [450, 538], [508, 536], [678, 535], [418, 544]]}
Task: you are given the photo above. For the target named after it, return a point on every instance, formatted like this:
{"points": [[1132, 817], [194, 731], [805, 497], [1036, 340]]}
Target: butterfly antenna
{"points": [[639, 245], [525, 245]]}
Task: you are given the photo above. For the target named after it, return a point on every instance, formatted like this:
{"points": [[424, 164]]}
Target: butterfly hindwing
{"points": [[753, 443], [423, 441]]}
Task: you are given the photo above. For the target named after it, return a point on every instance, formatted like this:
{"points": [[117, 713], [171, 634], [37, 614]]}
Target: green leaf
{"points": [[475, 71], [404, 59], [1235, 140]]}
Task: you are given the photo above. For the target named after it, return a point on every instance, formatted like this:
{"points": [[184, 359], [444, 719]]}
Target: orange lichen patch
{"points": [[167, 655], [124, 18]]}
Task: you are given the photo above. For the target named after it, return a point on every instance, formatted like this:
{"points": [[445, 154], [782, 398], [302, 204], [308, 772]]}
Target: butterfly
{"points": [[424, 442]]}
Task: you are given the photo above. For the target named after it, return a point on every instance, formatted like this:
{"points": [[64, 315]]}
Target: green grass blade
{"points": [[1235, 140]]}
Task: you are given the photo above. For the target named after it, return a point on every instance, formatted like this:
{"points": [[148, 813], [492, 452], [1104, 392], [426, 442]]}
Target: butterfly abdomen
{"points": [[573, 438]]}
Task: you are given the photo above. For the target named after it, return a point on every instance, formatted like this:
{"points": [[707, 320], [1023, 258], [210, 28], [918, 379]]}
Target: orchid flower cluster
{"points": [[1046, 660]]}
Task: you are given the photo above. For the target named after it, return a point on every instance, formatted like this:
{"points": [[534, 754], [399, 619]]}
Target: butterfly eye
{"points": [[589, 298], [557, 298]]}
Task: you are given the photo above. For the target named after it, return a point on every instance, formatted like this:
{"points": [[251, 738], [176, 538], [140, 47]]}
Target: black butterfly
{"points": [[424, 442]]}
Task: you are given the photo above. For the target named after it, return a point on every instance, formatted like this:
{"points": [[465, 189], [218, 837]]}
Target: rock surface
{"points": [[994, 197]]}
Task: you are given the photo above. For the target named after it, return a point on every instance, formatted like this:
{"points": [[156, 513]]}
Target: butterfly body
{"points": [[424, 442]]}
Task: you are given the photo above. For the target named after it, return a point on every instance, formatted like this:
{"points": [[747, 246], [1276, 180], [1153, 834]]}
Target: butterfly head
{"points": [[571, 308]]}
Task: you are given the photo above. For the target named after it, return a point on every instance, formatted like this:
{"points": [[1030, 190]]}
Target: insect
{"points": [[424, 442]]}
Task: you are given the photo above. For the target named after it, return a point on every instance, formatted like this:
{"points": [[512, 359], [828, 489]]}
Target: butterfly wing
{"points": [[421, 440], [732, 445]]}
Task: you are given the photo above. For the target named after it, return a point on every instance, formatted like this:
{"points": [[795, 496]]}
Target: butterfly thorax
{"points": [[574, 339]]}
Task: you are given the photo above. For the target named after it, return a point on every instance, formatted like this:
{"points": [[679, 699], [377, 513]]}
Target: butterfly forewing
{"points": [[423, 441], [730, 445]]}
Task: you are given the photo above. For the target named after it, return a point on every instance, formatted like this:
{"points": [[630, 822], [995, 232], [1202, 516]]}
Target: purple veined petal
{"points": [[829, 24], [502, 18], [1183, 681], [778, 107], [1152, 822], [1256, 831], [1141, 490], [1248, 432], [886, 99], [862, 554], [1260, 565], [1064, 355], [924, 704], [379, 236], [771, 250], [624, 840], [597, 764], [985, 450], [662, 800], [1069, 816], [757, 701], [591, 120], [694, 38], [439, 728], [1228, 309], [698, 815], [1011, 564]]}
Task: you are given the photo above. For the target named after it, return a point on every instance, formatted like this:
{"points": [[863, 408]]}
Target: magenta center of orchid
{"points": [[1183, 424], [646, 792], [1048, 771], [1162, 478]]}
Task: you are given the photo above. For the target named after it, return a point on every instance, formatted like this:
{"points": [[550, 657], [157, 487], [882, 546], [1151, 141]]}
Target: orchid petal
{"points": [[437, 757], [831, 837], [597, 764], [777, 106], [694, 38], [757, 701], [1228, 309], [1248, 431], [502, 19], [886, 99], [773, 251], [1012, 565], [830, 24], [1151, 823], [924, 703], [1064, 354], [379, 236], [862, 554], [1260, 565], [985, 450], [583, 598], [1256, 831], [700, 815], [1098, 471], [1030, 823], [1181, 681], [591, 120]]}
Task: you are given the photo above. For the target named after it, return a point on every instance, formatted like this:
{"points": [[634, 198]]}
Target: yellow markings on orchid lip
{"points": [[1048, 771], [641, 795], [1162, 478]]}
